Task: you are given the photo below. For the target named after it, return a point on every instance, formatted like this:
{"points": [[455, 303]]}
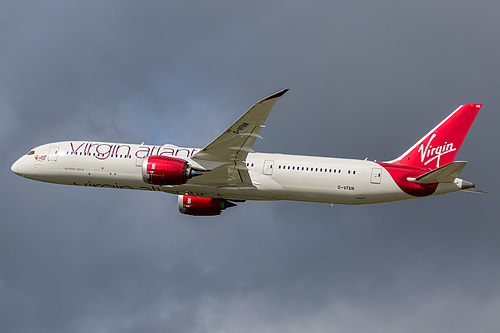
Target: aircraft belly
{"points": [[107, 174], [353, 189]]}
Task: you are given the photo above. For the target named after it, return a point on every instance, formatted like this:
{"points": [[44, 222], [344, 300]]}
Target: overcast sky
{"points": [[367, 79]]}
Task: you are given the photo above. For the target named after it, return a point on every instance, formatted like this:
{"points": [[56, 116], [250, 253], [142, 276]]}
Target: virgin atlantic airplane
{"points": [[227, 170]]}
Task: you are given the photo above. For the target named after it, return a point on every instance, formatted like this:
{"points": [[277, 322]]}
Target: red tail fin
{"points": [[442, 143]]}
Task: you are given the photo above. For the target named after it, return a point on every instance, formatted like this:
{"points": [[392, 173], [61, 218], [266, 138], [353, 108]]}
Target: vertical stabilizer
{"points": [[441, 144]]}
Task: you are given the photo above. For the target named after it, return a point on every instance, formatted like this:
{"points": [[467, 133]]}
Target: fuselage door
{"points": [[268, 167], [53, 153], [376, 176]]}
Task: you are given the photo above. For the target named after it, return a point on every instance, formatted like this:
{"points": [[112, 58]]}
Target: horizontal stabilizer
{"points": [[445, 174], [473, 190]]}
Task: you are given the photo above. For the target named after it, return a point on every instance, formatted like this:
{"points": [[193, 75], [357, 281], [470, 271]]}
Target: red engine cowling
{"points": [[202, 206], [164, 170]]}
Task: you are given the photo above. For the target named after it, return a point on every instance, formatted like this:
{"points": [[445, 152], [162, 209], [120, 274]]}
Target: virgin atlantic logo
{"points": [[430, 153], [40, 158]]}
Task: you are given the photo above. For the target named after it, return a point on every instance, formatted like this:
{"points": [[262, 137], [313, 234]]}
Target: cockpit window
{"points": [[31, 152]]}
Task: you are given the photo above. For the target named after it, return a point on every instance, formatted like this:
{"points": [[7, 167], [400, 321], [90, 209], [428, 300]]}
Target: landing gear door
{"points": [[268, 167], [376, 176], [53, 153]]}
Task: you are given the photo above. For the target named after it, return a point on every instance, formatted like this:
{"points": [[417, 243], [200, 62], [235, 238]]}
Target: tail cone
{"points": [[466, 185]]}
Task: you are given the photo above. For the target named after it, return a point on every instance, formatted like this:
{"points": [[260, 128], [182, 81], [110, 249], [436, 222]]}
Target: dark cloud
{"points": [[367, 80]]}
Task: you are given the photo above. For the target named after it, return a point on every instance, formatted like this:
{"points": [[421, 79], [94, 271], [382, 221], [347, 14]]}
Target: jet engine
{"points": [[202, 206], [164, 170]]}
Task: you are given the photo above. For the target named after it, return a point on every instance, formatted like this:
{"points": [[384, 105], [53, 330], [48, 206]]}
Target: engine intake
{"points": [[202, 206], [164, 170]]}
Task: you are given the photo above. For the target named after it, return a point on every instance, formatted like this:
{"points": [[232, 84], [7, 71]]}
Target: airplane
{"points": [[227, 171]]}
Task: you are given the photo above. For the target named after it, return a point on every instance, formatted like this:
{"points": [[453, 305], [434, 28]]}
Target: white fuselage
{"points": [[274, 176]]}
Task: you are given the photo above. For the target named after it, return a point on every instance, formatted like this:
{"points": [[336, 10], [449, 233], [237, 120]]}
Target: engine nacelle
{"points": [[202, 206], [164, 170]]}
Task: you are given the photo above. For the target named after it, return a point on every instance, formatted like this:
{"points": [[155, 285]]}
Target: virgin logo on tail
{"points": [[434, 153], [447, 138]]}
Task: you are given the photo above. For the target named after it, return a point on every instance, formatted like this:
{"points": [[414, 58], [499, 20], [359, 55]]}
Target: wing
{"points": [[226, 155]]}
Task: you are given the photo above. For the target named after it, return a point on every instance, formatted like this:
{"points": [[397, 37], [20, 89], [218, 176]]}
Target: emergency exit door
{"points": [[53, 153], [376, 175], [268, 167]]}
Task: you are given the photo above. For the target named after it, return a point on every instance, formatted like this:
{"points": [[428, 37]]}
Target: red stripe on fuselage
{"points": [[400, 175]]}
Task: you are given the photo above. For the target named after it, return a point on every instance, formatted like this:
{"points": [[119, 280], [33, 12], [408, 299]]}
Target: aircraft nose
{"points": [[23, 167], [15, 167]]}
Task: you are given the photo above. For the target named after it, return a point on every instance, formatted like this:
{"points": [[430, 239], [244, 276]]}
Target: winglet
{"points": [[276, 95]]}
